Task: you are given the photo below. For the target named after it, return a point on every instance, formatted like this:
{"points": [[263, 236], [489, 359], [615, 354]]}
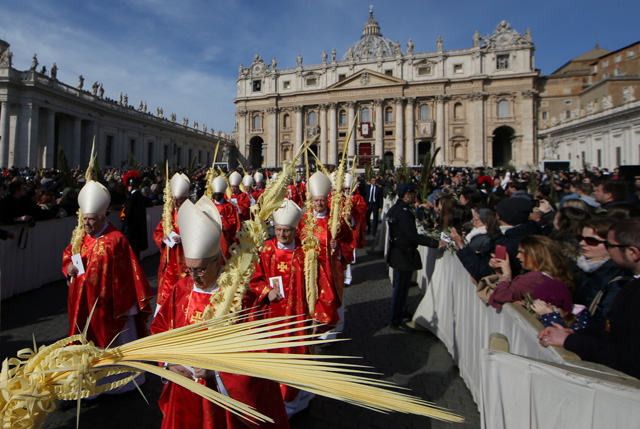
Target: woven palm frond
{"points": [[30, 383]]}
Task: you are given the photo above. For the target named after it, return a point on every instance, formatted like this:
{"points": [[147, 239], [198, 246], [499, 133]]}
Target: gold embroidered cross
{"points": [[282, 267], [196, 317]]}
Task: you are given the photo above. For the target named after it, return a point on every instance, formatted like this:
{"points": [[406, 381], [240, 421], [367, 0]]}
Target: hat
{"points": [[210, 209], [235, 179], [247, 181], [403, 188], [94, 198], [200, 233], [132, 177], [483, 214], [514, 211], [219, 185], [332, 178], [319, 185], [348, 180], [554, 292], [258, 177], [289, 214], [180, 185]]}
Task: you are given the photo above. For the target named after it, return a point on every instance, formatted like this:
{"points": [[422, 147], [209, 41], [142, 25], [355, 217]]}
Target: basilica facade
{"points": [[478, 105], [39, 115]]}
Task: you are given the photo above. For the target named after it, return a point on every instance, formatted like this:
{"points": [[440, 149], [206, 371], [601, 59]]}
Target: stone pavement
{"points": [[418, 361]]}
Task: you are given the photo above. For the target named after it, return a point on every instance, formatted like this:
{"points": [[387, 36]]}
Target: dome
{"points": [[371, 43]]}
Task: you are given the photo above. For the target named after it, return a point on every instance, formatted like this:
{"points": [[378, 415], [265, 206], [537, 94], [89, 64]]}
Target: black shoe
{"points": [[347, 285], [403, 327]]}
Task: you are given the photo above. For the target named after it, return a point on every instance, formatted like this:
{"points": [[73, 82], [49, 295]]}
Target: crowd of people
{"points": [[565, 245]]}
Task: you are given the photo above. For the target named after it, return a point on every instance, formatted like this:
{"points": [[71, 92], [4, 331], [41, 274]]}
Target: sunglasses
{"points": [[610, 245], [591, 241]]}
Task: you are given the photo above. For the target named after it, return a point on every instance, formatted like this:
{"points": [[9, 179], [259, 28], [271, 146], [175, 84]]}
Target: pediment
{"points": [[367, 78]]}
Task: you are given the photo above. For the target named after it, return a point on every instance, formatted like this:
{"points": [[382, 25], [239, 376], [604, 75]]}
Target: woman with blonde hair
{"points": [[541, 258]]}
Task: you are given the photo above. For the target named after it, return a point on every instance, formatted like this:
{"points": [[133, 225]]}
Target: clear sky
{"points": [[183, 55]]}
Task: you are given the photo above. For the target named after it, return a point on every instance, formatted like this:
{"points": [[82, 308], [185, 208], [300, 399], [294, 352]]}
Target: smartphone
{"points": [[501, 252]]}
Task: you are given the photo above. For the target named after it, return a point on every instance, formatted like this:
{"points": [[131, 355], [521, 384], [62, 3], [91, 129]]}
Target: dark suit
{"points": [[403, 255], [615, 341], [135, 221], [374, 204]]}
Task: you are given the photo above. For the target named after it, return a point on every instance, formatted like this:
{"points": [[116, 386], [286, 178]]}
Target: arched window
{"points": [[312, 119], [503, 109], [342, 118], [286, 121], [257, 123], [458, 111], [388, 114], [424, 112], [365, 115]]}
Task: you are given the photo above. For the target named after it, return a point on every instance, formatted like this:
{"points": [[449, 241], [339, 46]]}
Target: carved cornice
{"points": [[442, 98], [351, 104], [411, 101], [243, 113], [399, 100], [529, 93], [273, 110], [323, 107], [378, 102], [332, 105], [298, 109]]}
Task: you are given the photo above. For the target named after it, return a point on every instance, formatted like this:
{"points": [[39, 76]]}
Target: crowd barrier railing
{"points": [[36, 259]]}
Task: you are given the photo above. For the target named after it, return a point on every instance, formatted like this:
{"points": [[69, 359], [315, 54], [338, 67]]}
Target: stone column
{"points": [[4, 134], [323, 133], [272, 143], [440, 129], [243, 144], [77, 147], [399, 150], [299, 128], [410, 143], [333, 134], [527, 152], [48, 152], [25, 154], [351, 146], [477, 136], [379, 130]]}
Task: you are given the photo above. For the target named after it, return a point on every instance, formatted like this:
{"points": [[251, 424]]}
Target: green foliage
{"points": [[192, 166], [133, 162], [97, 172], [65, 171], [533, 183], [368, 172], [427, 169], [403, 172], [509, 166]]}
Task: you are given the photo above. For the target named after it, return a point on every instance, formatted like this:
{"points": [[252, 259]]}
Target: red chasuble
{"points": [[171, 268], [330, 270], [243, 202], [293, 195], [359, 214], [184, 409], [230, 220], [114, 278], [256, 193], [289, 265]]}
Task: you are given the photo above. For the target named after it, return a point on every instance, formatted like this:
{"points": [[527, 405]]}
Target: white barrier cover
{"points": [[521, 393], [40, 262]]}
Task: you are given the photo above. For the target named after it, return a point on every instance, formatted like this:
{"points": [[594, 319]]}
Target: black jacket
{"points": [[378, 196], [404, 239], [477, 264], [614, 342], [135, 221], [589, 284]]}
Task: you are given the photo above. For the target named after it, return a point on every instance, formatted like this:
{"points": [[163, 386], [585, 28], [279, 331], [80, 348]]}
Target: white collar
{"points": [[106, 224], [290, 246], [320, 215]]}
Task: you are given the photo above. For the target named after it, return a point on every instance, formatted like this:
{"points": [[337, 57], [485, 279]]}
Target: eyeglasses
{"points": [[199, 272], [610, 245], [591, 241]]}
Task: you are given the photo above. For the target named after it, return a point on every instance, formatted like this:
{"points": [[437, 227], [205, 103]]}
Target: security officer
{"points": [[403, 254]]}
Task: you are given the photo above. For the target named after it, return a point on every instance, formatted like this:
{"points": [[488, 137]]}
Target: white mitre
{"points": [[247, 181], [319, 185], [180, 185], [235, 179], [348, 180], [332, 177], [289, 214], [94, 198], [274, 177], [199, 231], [258, 177], [219, 185]]}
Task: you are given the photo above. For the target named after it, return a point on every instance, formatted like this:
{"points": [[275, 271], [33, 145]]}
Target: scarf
{"points": [[590, 265]]}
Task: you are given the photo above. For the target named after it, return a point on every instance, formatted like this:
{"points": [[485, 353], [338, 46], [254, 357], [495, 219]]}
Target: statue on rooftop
{"points": [[80, 82], [439, 43], [410, 47], [125, 99], [476, 39], [100, 91], [299, 60], [54, 71], [5, 60], [94, 88], [274, 63], [34, 63], [325, 56], [333, 55]]}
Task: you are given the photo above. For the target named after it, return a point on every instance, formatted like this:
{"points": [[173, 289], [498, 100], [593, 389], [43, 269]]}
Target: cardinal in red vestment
{"points": [[200, 225], [240, 200], [259, 186], [230, 217], [171, 267], [107, 274]]}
